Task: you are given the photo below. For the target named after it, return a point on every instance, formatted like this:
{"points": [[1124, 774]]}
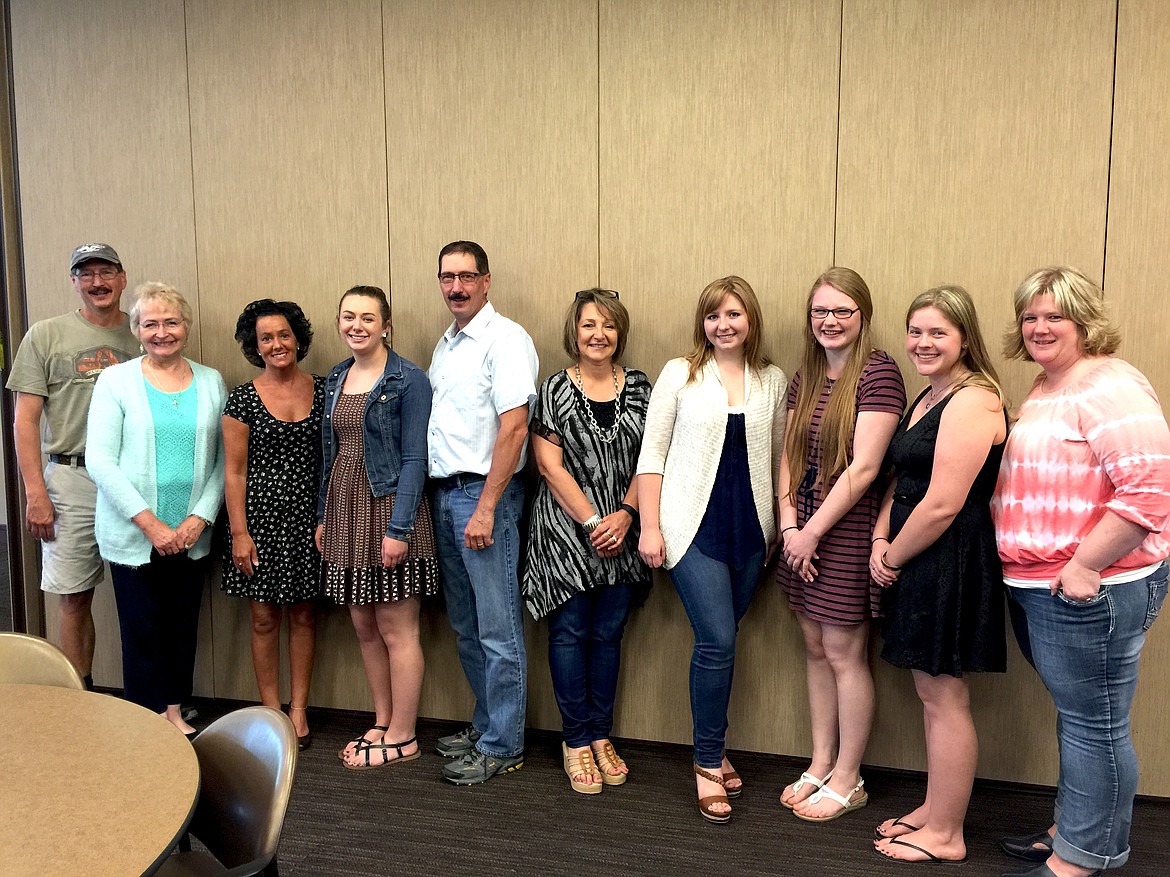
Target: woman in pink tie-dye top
{"points": [[1080, 514]]}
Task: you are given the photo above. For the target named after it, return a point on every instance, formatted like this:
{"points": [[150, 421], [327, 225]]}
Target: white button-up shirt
{"points": [[477, 374]]}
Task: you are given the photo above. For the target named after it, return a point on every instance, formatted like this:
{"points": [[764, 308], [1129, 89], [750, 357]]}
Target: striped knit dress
{"points": [[842, 592]]}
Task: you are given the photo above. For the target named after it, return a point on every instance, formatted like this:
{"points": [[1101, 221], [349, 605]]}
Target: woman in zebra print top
{"points": [[583, 571]]}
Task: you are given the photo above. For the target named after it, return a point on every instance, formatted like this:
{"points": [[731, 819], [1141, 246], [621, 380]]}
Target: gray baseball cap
{"points": [[85, 252]]}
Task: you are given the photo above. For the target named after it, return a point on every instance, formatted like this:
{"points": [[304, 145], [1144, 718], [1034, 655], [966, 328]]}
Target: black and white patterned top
{"points": [[284, 471], [560, 559]]}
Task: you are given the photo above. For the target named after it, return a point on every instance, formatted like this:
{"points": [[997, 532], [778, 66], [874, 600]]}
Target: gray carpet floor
{"points": [[405, 819]]}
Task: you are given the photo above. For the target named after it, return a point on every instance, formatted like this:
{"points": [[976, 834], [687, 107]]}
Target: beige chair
{"points": [[247, 760], [36, 661]]}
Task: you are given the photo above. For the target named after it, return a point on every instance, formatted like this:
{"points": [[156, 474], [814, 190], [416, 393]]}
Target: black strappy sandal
{"points": [[360, 741], [384, 746]]}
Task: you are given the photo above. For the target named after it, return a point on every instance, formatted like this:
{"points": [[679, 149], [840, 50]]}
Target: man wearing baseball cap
{"points": [[53, 376]]}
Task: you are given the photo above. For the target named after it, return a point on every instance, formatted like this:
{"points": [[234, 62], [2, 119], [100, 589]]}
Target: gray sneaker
{"points": [[458, 745], [475, 767]]}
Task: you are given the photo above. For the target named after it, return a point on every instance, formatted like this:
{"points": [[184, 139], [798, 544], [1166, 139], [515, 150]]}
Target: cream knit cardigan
{"points": [[683, 441]]}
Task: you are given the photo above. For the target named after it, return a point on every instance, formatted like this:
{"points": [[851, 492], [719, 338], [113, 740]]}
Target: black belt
{"points": [[456, 481], [66, 460]]}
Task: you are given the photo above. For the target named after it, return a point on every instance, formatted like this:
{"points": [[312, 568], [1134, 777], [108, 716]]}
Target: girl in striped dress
{"points": [[843, 407]]}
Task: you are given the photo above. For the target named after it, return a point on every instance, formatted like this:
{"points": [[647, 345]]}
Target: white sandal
{"points": [[848, 804], [806, 777]]}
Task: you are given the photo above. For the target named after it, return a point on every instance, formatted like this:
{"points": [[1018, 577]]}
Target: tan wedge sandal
{"points": [[581, 764], [611, 764]]}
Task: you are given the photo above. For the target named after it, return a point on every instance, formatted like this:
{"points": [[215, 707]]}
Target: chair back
{"points": [[247, 760], [35, 661]]}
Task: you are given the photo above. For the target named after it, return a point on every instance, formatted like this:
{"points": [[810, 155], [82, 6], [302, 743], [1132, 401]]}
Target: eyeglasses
{"points": [[152, 325], [447, 278], [104, 273], [839, 313], [589, 294]]}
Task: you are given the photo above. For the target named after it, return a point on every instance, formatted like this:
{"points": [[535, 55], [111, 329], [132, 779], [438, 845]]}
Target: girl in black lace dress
{"points": [[272, 453], [934, 554]]}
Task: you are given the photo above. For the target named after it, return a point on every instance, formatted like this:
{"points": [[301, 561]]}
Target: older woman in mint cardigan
{"points": [[155, 452]]}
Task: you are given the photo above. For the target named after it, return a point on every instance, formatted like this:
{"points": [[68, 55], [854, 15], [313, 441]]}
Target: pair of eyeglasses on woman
{"points": [[839, 313], [152, 325], [600, 293]]}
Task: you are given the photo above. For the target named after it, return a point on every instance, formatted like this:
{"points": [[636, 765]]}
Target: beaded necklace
{"points": [[606, 435]]}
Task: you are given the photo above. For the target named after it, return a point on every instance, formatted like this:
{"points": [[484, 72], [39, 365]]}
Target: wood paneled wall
{"points": [[291, 149]]}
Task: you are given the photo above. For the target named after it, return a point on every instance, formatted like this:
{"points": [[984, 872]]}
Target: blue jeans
{"points": [[584, 654], [715, 596], [482, 589], [1087, 655]]}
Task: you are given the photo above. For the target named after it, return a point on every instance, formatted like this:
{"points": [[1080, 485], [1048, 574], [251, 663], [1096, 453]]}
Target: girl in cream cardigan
{"points": [[707, 496]]}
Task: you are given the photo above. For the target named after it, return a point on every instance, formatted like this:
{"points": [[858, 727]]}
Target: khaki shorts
{"points": [[71, 563]]}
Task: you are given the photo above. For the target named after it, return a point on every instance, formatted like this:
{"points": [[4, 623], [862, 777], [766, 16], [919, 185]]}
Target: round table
{"points": [[89, 784]]}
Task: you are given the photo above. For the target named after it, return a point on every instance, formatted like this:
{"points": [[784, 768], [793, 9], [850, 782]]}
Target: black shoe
{"points": [[1041, 870], [1024, 847], [189, 713]]}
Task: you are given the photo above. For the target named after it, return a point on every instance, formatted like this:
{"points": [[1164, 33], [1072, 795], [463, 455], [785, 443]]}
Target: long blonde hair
{"points": [[840, 417], [709, 301], [955, 303]]}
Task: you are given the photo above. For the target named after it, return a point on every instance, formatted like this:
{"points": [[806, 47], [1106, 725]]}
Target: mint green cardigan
{"points": [[119, 454]]}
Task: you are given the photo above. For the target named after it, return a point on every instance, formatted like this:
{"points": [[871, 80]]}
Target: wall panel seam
{"points": [[386, 159], [209, 642], [191, 152], [837, 133], [1109, 152]]}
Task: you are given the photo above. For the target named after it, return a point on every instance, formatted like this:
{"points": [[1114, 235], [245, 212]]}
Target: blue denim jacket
{"points": [[394, 437]]}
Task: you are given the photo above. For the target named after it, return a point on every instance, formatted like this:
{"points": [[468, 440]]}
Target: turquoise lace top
{"points": [[174, 417]]}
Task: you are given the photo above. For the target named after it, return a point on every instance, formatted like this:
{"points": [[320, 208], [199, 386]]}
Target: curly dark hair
{"points": [[266, 307]]}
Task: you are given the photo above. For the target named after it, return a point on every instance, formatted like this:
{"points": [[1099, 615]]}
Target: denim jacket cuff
{"points": [[398, 533]]}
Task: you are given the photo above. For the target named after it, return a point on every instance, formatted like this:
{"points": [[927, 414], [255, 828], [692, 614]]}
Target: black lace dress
{"points": [[284, 469], [945, 614]]}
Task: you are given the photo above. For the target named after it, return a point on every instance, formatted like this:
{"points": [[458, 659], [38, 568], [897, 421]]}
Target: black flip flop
{"points": [[931, 858]]}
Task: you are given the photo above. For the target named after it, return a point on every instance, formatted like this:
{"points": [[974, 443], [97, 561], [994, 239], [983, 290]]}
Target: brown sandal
{"points": [[581, 764], [727, 778], [706, 803], [608, 760]]}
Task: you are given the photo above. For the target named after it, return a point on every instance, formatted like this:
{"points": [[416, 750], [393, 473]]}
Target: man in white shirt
{"points": [[483, 375]]}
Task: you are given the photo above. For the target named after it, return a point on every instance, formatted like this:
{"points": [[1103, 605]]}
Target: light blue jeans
{"points": [[482, 590], [1087, 654], [715, 596]]}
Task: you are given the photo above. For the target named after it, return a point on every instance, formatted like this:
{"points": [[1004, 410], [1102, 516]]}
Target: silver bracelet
{"points": [[590, 525]]}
